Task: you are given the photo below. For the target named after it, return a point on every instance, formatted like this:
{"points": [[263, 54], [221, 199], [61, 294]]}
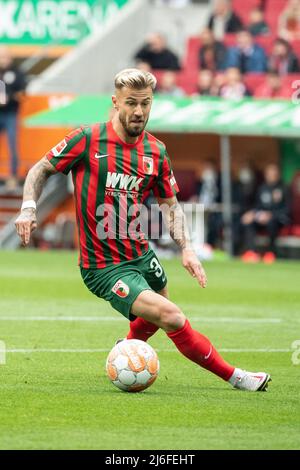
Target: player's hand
{"points": [[193, 266], [263, 217], [25, 224]]}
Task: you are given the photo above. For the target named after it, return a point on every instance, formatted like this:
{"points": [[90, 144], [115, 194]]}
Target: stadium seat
{"points": [[296, 48], [254, 80], [274, 9], [186, 79], [191, 60], [243, 8]]}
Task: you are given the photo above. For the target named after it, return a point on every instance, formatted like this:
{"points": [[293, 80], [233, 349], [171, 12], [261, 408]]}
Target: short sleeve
{"points": [[65, 155], [166, 185]]}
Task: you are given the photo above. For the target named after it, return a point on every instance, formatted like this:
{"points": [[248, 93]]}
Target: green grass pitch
{"points": [[54, 393]]}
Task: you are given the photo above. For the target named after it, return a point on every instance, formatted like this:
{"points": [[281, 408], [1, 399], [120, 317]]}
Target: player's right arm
{"points": [[34, 183]]}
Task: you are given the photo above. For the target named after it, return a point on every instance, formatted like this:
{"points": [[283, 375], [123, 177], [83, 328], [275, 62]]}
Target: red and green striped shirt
{"points": [[108, 171]]}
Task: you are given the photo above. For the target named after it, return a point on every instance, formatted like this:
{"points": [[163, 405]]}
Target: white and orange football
{"points": [[132, 365]]}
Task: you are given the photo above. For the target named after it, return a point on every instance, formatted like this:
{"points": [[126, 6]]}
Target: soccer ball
{"points": [[132, 365]]}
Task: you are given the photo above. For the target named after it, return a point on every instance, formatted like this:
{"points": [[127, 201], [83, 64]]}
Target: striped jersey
{"points": [[111, 180]]}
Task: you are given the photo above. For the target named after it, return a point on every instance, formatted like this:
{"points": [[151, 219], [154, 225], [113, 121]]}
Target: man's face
{"points": [[244, 40], [221, 7], [272, 174], [5, 58], [134, 107]]}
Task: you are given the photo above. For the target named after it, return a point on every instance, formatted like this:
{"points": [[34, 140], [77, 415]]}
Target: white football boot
{"points": [[250, 381]]}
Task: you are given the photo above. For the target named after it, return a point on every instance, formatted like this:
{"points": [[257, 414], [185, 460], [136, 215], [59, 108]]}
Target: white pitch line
{"points": [[104, 350], [117, 319]]}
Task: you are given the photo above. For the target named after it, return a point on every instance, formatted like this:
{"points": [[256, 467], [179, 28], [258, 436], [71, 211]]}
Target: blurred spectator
{"points": [[283, 59], [246, 55], [234, 87], [289, 21], [223, 20], [269, 213], [205, 84], [144, 66], [257, 25], [157, 55], [208, 192], [212, 53], [273, 87], [14, 81], [168, 85], [247, 180]]}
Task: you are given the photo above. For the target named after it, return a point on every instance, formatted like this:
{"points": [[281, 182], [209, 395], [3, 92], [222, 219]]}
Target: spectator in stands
{"points": [[270, 213], [273, 87], [14, 82], [257, 25], [168, 85], [157, 55], [289, 21], [205, 84], [212, 53], [144, 66], [234, 87], [247, 180], [208, 191], [246, 55], [283, 59], [223, 20]]}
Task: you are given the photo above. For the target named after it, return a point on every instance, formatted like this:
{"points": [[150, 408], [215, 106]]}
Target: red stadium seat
{"points": [[243, 8], [186, 79], [296, 48], [266, 42], [191, 61], [274, 9], [254, 80]]}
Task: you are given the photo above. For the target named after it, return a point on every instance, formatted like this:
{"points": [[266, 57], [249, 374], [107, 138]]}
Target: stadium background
{"points": [[70, 61]]}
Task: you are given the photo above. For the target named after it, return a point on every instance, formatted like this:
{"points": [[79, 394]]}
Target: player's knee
{"points": [[171, 317]]}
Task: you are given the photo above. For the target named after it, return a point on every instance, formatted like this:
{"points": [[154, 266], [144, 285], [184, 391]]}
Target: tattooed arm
{"points": [[34, 183], [175, 220]]}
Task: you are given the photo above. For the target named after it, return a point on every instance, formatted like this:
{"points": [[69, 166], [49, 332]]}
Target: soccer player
{"points": [[114, 166]]}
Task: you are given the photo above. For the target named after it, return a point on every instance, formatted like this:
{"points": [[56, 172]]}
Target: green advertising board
{"points": [[278, 118], [53, 22]]}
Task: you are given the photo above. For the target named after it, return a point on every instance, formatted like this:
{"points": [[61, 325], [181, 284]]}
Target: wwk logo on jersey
{"points": [[59, 148], [148, 165], [121, 289], [121, 181]]}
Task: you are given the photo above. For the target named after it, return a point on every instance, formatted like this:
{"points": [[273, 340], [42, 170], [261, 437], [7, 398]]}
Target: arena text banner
{"points": [[53, 22]]}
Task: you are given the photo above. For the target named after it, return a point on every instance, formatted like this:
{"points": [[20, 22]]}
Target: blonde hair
{"points": [[136, 79]]}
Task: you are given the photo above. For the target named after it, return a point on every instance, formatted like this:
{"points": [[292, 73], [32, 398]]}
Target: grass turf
{"points": [[63, 400]]}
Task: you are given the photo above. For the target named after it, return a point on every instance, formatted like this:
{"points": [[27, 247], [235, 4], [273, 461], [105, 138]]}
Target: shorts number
{"points": [[154, 264]]}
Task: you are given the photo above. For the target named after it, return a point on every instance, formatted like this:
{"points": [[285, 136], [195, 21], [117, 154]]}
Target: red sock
{"points": [[141, 329], [199, 349]]}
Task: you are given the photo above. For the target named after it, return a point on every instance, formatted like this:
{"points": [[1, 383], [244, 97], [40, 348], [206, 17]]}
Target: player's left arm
{"points": [[177, 225]]}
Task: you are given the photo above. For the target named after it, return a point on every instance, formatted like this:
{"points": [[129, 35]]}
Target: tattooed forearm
{"points": [[36, 179], [176, 223]]}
